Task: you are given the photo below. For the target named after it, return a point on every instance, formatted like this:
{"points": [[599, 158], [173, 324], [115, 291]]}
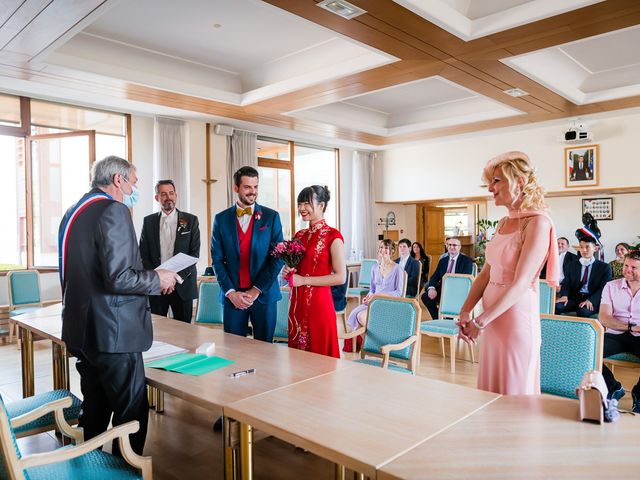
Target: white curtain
{"points": [[363, 226], [170, 156], [241, 152]]}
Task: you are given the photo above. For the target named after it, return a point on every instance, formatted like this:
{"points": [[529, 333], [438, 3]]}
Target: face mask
{"points": [[130, 199], [585, 261]]}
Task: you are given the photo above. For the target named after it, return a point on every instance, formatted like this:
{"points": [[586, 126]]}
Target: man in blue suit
{"points": [[241, 244], [454, 262]]}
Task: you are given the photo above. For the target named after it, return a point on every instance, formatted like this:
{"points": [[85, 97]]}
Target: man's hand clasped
{"points": [[168, 281]]}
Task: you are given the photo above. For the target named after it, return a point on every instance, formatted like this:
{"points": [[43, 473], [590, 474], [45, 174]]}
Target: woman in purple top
{"points": [[387, 278]]}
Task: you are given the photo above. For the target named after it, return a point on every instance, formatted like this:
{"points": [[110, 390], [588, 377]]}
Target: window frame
{"points": [[24, 132]]}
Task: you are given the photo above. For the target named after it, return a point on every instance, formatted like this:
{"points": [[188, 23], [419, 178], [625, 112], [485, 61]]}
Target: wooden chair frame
{"points": [[453, 339], [386, 350]]}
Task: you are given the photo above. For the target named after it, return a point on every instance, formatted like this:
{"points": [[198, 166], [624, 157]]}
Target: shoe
{"points": [[617, 394], [636, 402]]}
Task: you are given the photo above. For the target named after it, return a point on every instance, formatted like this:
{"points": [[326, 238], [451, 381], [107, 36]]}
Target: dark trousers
{"points": [[113, 384], [432, 305], [572, 306], [620, 343], [182, 309], [262, 316]]}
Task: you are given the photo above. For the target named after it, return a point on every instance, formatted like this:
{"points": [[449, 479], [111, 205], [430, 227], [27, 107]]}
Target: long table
{"points": [[360, 417], [525, 437]]}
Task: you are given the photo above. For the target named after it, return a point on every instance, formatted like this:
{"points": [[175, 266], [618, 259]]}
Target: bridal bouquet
{"points": [[290, 252]]}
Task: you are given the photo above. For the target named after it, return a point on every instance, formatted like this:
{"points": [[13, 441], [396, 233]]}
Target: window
{"points": [[281, 179], [47, 149]]}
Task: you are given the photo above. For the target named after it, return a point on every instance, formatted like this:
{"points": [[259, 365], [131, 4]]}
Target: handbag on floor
{"points": [[592, 394]]}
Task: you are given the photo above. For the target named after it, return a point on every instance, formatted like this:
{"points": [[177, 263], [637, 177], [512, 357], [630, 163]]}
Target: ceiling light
{"points": [[516, 92], [341, 8]]}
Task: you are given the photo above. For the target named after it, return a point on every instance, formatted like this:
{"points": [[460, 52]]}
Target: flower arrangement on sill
{"points": [[485, 232]]}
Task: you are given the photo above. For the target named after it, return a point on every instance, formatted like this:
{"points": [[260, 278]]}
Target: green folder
{"points": [[190, 363]]}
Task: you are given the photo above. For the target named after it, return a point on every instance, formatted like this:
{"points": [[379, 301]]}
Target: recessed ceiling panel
{"points": [[471, 19], [429, 103], [604, 67], [247, 48]]}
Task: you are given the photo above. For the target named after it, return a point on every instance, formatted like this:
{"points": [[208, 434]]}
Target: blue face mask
{"points": [[130, 199]]}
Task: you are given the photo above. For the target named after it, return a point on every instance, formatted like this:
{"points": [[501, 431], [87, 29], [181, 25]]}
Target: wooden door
{"points": [[430, 232]]}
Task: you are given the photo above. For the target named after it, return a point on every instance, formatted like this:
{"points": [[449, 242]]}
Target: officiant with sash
{"points": [[243, 238], [165, 234]]}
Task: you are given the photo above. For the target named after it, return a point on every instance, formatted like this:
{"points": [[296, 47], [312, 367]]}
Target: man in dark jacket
{"points": [[106, 322]]}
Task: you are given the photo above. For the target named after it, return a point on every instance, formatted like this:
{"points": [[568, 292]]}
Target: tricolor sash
{"points": [[63, 236]]}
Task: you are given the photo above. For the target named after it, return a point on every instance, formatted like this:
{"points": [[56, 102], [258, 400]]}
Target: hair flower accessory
{"points": [[291, 253]]}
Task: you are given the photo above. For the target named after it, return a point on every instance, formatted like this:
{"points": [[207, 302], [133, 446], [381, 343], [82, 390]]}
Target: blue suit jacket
{"points": [[464, 265], [225, 252], [412, 268]]}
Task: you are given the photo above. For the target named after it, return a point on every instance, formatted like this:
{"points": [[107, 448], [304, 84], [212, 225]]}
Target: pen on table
{"points": [[243, 372]]}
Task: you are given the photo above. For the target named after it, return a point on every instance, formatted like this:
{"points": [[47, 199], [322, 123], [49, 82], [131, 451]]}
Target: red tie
{"points": [[450, 269], [585, 275]]}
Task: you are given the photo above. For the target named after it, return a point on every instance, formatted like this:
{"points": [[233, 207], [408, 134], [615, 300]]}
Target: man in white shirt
{"points": [[409, 265], [164, 234]]}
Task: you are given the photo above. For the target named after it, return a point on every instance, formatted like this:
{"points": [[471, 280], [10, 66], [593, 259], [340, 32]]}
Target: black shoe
{"points": [[217, 425], [617, 394], [636, 402]]}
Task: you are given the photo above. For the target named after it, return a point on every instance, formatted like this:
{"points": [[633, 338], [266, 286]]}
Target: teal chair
{"points": [[209, 312], [571, 346], [24, 294], [45, 421], [364, 279], [82, 461], [281, 333], [455, 288], [392, 332], [547, 298]]}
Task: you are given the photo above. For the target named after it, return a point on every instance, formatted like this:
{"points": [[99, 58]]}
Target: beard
{"points": [[246, 200], [168, 206]]}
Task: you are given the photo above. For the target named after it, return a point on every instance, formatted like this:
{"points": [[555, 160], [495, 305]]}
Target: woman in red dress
{"points": [[312, 318]]}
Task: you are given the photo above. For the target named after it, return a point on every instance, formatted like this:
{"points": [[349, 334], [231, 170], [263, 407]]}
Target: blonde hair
{"points": [[516, 165]]}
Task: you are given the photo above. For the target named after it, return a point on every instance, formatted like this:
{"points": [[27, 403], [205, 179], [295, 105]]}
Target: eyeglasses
{"points": [[453, 245]]}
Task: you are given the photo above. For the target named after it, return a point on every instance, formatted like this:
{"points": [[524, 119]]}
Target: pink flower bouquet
{"points": [[291, 253]]}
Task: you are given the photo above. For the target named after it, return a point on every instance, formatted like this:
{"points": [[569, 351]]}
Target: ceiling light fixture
{"points": [[516, 92], [341, 8]]}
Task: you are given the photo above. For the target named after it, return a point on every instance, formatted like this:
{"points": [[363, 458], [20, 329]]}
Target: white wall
{"points": [[566, 213], [405, 219], [452, 168]]}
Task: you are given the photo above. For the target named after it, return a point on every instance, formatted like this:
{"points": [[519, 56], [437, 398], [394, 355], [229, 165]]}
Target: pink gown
{"points": [[510, 344]]}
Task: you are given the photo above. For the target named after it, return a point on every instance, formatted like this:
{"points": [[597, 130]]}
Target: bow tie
{"points": [[240, 212]]}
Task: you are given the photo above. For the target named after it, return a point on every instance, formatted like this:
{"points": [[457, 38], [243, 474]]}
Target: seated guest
{"points": [[409, 265], [386, 278], [454, 262], [339, 295], [582, 286], [620, 315], [419, 254], [616, 265], [565, 257]]}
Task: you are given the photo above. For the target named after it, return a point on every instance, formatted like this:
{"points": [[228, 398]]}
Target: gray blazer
{"points": [[104, 292]]}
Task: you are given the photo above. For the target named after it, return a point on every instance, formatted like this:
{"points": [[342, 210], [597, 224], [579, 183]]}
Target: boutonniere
{"points": [[182, 224], [257, 216]]}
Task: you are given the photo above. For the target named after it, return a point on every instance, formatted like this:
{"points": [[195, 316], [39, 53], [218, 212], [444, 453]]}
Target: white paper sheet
{"points": [[178, 262], [160, 350]]}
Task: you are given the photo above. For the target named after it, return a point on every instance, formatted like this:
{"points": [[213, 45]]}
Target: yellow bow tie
{"points": [[240, 212]]}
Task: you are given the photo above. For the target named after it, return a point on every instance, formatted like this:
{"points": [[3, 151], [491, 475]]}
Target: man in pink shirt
{"points": [[620, 315]]}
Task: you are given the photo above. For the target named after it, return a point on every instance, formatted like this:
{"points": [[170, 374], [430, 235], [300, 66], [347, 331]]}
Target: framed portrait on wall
{"points": [[600, 208], [581, 166]]}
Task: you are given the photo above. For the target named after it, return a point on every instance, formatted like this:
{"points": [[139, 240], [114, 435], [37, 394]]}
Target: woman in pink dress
{"points": [[508, 283], [312, 318]]}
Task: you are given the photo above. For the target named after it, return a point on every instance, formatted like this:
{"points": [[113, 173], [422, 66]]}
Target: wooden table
{"points": [[361, 417], [44, 322], [525, 437]]}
